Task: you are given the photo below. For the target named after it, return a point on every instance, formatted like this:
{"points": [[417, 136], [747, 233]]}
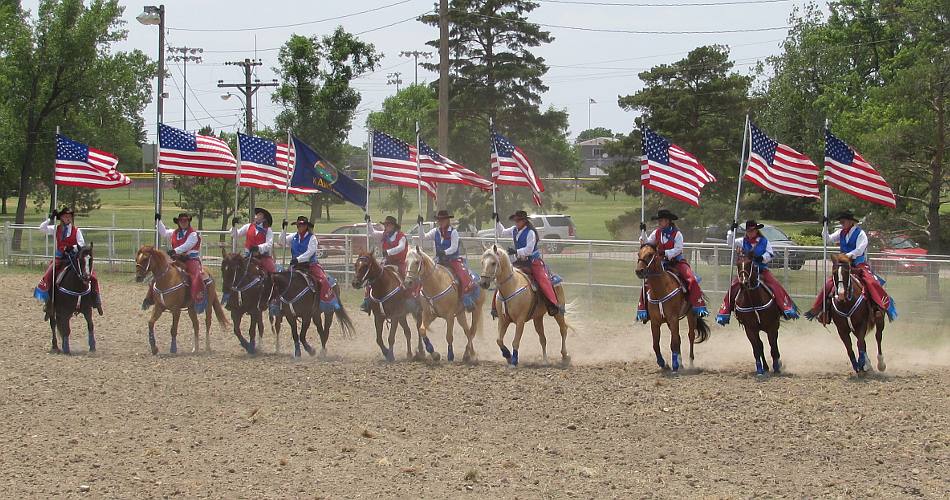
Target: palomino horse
{"points": [[757, 311], [389, 300], [170, 290], [73, 294], [299, 298], [852, 312], [516, 302], [248, 289], [669, 308], [442, 300]]}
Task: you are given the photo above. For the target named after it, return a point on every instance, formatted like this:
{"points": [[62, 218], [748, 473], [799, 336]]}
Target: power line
{"points": [[636, 4], [292, 25], [633, 32]]}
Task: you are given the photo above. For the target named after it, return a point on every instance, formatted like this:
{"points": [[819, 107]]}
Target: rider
{"points": [[259, 238], [395, 249], [853, 242], [757, 246], [69, 239], [669, 240], [186, 248], [447, 253], [303, 249], [528, 255]]}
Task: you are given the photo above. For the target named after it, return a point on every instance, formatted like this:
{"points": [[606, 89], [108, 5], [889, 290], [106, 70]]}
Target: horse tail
{"points": [[569, 312], [218, 310], [346, 323], [702, 330]]}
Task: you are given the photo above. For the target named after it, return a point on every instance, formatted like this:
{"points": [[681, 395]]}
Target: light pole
{"points": [[394, 79], [186, 54], [590, 100], [415, 54], [152, 15]]}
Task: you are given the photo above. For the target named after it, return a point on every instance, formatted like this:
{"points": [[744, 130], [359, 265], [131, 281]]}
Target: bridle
{"points": [[366, 279], [846, 286], [747, 276], [648, 264], [81, 270], [235, 286]]}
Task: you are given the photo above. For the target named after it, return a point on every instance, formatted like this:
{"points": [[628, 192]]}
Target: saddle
{"points": [[205, 275], [525, 270]]}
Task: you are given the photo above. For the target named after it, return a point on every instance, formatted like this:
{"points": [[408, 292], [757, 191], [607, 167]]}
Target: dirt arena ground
{"points": [[124, 423]]}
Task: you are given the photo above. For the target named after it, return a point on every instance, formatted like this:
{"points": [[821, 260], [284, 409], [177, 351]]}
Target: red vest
{"points": [[399, 257], [63, 240], [177, 242], [664, 246], [254, 238]]}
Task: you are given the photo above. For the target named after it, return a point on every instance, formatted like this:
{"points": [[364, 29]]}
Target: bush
{"points": [[807, 239], [812, 231]]}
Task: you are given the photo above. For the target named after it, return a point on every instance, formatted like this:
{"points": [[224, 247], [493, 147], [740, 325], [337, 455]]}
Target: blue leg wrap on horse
{"points": [[723, 319], [514, 357], [40, 295], [92, 341], [390, 356], [451, 354], [225, 297], [151, 338], [759, 369], [505, 353], [660, 361], [174, 348], [643, 316], [862, 359], [701, 311], [66, 345], [676, 361], [428, 344], [297, 351]]}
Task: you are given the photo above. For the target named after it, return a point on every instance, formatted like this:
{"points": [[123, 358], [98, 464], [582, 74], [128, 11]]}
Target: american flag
{"points": [[437, 168], [187, 153], [79, 165], [666, 168], [777, 167], [264, 165], [394, 162], [510, 166], [847, 171]]}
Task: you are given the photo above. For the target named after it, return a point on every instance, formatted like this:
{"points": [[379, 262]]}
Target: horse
{"points": [[442, 300], [299, 297], [517, 302], [248, 289], [852, 312], [757, 311], [72, 294], [170, 288], [670, 308], [389, 300]]}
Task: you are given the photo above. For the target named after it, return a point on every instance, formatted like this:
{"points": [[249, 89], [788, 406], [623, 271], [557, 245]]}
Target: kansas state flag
{"points": [[312, 171]]}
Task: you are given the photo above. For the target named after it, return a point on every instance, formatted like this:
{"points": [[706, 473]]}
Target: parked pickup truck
{"points": [[780, 241], [552, 228]]}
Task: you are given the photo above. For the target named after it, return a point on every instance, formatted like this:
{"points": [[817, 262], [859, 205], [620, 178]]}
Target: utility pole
{"points": [[394, 79], [443, 82], [248, 88], [185, 55], [416, 54]]}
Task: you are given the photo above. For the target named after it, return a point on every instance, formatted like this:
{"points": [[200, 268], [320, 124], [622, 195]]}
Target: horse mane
{"points": [[501, 257], [155, 252]]}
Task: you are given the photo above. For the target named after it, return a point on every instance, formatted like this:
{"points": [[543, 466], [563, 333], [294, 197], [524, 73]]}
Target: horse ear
{"points": [[494, 248]]}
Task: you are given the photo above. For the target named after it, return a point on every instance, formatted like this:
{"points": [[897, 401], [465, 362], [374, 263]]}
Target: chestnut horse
{"points": [[73, 294], [442, 300], [667, 304], [390, 301], [299, 297], [852, 312], [247, 289], [170, 289], [757, 311]]}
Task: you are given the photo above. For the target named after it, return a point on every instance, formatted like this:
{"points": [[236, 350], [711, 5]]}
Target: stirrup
{"points": [[723, 319]]}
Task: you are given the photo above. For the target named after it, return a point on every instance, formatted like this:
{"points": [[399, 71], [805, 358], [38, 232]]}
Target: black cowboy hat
{"points": [[267, 216], [752, 224], [65, 210], [847, 215], [519, 215], [392, 220], [665, 214], [183, 215], [443, 214], [303, 220]]}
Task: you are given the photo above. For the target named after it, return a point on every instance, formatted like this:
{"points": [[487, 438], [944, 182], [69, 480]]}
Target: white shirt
{"points": [[530, 239], [265, 247], [311, 246], [677, 249], [400, 245], [860, 246], [766, 258], [454, 235], [185, 247], [50, 229]]}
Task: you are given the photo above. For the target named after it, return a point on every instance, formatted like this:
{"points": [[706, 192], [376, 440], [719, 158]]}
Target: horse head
{"points": [[83, 263], [747, 271], [647, 262], [417, 263], [144, 260], [364, 268], [841, 271], [231, 263], [491, 262]]}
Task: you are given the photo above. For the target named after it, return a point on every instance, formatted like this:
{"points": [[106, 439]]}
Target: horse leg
{"points": [[773, 348], [469, 330], [427, 318], [691, 324], [258, 316], [294, 335], [516, 343], [90, 329], [674, 325], [862, 330], [54, 343], [236, 317], [758, 348], [156, 313], [208, 314], [408, 333], [303, 333], [325, 332], [655, 328], [502, 329], [845, 334], [450, 337], [879, 336], [539, 327], [64, 331], [176, 315], [196, 326], [393, 324], [562, 324], [276, 323], [378, 317]]}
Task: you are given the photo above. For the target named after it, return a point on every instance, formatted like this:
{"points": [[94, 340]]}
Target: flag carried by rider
{"points": [[186, 153], [311, 172], [776, 167], [847, 171], [80, 165], [266, 164], [510, 166], [437, 168], [668, 169], [394, 162]]}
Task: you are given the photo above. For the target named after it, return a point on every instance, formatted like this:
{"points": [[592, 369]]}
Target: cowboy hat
{"points": [[65, 210], [443, 214], [664, 214], [847, 215], [392, 220], [752, 224], [303, 220], [183, 215], [518, 215], [267, 216]]}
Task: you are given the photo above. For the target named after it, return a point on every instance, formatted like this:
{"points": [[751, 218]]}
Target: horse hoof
{"points": [[450, 356], [54, 350], [154, 349], [881, 366], [311, 351], [297, 353], [776, 366], [514, 358], [676, 362], [565, 360], [173, 349], [661, 363], [436, 356], [390, 356]]}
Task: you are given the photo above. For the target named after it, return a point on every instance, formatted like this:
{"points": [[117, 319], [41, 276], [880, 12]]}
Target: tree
{"points": [[593, 133], [319, 103], [60, 65]]}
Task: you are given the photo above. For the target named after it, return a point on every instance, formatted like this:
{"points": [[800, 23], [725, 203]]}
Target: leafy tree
{"points": [[316, 94], [593, 133]]}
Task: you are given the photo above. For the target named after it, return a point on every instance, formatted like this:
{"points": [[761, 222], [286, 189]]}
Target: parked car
{"points": [[551, 228], [335, 242], [779, 240], [896, 253]]}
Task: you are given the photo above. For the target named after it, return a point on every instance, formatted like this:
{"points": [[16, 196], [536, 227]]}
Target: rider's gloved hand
{"points": [[824, 219], [254, 250], [734, 226], [420, 220], [366, 218], [293, 261], [283, 225], [171, 252], [758, 259], [643, 226], [234, 221], [495, 217], [512, 251], [158, 216]]}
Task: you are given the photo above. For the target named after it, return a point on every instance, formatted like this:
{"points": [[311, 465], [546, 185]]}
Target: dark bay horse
{"points": [[853, 312], [389, 301], [72, 294], [248, 290], [299, 298], [667, 304], [757, 311]]}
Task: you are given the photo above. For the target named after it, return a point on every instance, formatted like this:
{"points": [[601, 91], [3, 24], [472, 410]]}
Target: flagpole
{"points": [[283, 226], [735, 214], [52, 283], [419, 219], [824, 237], [369, 173], [158, 174], [494, 179], [237, 187]]}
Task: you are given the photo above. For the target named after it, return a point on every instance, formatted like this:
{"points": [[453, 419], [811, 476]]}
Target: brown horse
{"points": [[73, 294], [299, 298], [248, 289], [389, 301], [442, 300], [852, 312], [170, 289], [667, 304], [757, 311], [516, 302]]}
